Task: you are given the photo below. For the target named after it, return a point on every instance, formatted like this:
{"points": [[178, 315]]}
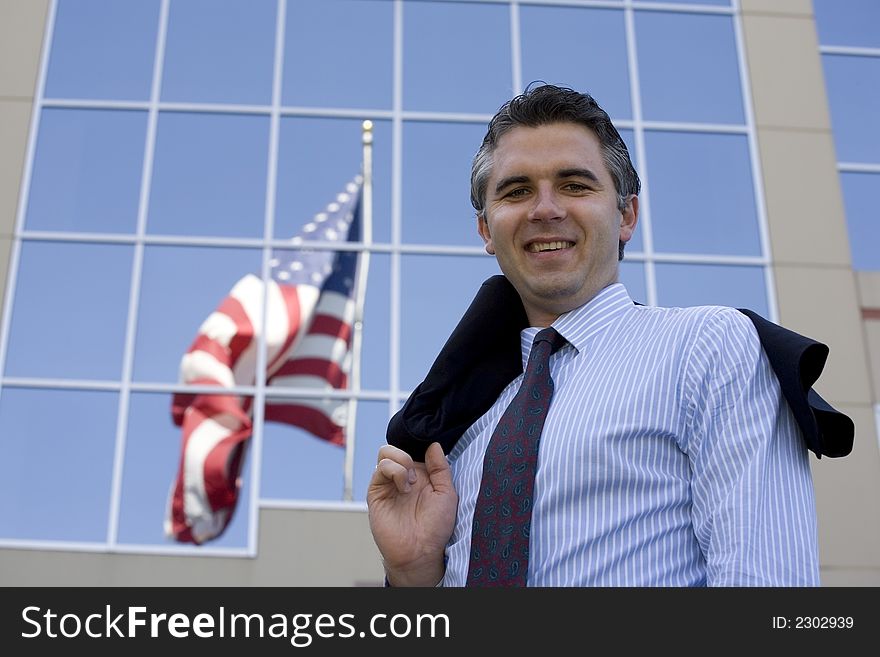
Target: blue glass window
{"points": [[299, 466], [720, 3], [338, 53], [630, 141], [854, 94], [180, 287], [316, 159], [636, 243], [853, 23], [152, 458], [632, 275], [372, 422], [584, 49], [209, 175], [375, 351], [436, 191], [69, 315], [435, 292], [468, 73], [702, 197], [714, 285], [688, 68], [103, 49], [860, 193], [220, 51], [58, 446], [87, 171]]}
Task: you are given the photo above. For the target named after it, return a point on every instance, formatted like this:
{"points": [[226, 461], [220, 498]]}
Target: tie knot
{"points": [[550, 335]]}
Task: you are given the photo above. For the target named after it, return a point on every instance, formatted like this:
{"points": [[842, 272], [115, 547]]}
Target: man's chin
{"points": [[553, 296]]}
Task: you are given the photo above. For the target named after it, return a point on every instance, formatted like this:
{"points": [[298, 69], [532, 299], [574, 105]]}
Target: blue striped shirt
{"points": [[668, 457]]}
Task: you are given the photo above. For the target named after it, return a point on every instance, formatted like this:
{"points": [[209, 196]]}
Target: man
{"points": [[668, 456]]}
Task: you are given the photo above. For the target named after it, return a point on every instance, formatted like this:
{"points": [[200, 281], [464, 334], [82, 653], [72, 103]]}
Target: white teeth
{"points": [[537, 247]]}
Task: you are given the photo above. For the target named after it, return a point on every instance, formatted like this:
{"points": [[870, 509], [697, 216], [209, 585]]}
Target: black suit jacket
{"points": [[482, 356]]}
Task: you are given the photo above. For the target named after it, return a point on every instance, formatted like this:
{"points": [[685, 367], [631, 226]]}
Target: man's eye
{"points": [[519, 191], [576, 187]]}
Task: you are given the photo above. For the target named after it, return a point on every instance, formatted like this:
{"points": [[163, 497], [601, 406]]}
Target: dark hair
{"points": [[544, 104]]}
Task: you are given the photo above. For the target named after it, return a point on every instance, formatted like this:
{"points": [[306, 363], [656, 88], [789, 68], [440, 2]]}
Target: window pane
{"points": [[316, 158], [375, 351], [68, 319], [724, 285], [720, 3], [853, 23], [103, 49], [209, 175], [632, 275], [636, 243], [58, 446], [299, 466], [688, 68], [581, 39], [435, 292], [152, 458], [854, 95], [87, 171], [456, 57], [702, 198], [436, 190], [860, 193], [371, 435], [181, 287], [338, 53], [629, 139], [220, 51]]}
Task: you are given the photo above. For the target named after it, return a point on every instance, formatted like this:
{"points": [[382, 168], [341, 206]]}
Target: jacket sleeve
{"points": [[798, 361]]}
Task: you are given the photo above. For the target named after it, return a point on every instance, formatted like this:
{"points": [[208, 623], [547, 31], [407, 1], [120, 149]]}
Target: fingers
{"points": [[395, 465], [395, 454], [439, 471]]}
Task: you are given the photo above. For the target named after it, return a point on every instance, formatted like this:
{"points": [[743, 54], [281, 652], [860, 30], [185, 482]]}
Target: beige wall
{"points": [[869, 299], [21, 36], [815, 285], [297, 548], [816, 289]]}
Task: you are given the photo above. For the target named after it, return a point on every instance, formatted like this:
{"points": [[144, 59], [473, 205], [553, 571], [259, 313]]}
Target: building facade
{"points": [[153, 153]]}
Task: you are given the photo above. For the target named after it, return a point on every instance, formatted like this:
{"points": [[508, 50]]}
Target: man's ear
{"points": [[483, 230], [629, 218]]}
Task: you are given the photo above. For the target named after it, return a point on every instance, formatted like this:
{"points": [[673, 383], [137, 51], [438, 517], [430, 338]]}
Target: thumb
{"points": [[439, 472]]}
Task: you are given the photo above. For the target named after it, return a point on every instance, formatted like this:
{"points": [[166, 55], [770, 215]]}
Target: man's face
{"points": [[551, 217]]}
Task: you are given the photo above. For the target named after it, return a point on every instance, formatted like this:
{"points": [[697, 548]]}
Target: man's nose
{"points": [[547, 206]]}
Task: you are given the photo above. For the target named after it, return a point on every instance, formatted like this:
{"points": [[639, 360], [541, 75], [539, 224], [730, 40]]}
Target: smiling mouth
{"points": [[540, 247]]}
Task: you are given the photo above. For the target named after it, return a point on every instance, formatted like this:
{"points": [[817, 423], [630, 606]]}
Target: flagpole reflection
{"points": [[361, 282]]}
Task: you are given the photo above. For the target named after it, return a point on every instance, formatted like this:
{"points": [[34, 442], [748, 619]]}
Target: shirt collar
{"points": [[579, 325]]}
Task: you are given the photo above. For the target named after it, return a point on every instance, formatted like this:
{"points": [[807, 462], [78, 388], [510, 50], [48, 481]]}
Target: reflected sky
{"points": [[87, 171], [688, 68], [860, 194], [854, 95]]}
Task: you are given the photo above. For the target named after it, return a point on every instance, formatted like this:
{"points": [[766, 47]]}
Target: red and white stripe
{"points": [[308, 339]]}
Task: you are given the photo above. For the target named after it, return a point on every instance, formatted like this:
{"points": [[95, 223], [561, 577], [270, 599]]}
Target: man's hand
{"points": [[412, 513]]}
